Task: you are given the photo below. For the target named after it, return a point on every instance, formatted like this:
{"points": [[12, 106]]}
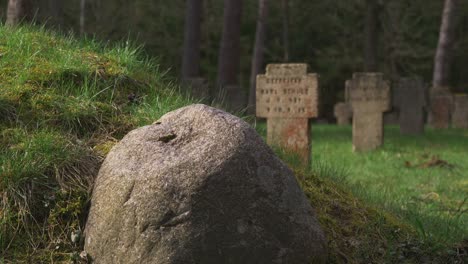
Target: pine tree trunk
{"points": [[443, 52], [191, 55], [229, 53], [258, 51], [82, 16], [15, 12], [55, 7], [370, 47], [229, 90], [441, 99]]}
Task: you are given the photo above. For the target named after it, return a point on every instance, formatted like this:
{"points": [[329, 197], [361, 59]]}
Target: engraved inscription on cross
{"points": [[287, 96], [369, 96]]}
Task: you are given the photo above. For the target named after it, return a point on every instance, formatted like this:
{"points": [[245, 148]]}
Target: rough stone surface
{"points": [[369, 96], [441, 105], [291, 132], [343, 113], [411, 100], [460, 113], [287, 96], [199, 186]]}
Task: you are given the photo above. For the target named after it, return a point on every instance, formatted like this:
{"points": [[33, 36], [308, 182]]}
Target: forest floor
{"points": [[65, 102]]}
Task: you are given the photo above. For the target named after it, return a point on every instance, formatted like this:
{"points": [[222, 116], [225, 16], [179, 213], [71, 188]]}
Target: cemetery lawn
{"points": [[422, 179]]}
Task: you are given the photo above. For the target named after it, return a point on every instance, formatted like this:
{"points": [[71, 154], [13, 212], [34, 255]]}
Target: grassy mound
{"points": [[64, 103]]}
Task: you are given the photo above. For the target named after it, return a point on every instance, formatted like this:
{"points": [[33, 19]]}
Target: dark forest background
{"points": [[328, 35]]}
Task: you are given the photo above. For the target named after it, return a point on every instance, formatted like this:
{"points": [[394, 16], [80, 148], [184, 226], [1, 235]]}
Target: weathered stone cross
{"points": [[343, 113], [441, 105], [287, 96], [460, 112], [411, 99], [369, 96]]}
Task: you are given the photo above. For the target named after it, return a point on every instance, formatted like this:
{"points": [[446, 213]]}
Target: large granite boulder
{"points": [[199, 186]]}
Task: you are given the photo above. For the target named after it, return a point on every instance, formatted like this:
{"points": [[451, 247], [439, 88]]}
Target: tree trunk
{"points": [[446, 39], [258, 52], [56, 7], [15, 12], [285, 7], [82, 16], [191, 55], [229, 53], [370, 47]]}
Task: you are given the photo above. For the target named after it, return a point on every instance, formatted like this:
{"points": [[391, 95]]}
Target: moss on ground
{"points": [[358, 233]]}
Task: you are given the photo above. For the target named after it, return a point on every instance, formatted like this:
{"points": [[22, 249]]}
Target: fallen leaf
{"points": [[435, 161], [432, 196]]}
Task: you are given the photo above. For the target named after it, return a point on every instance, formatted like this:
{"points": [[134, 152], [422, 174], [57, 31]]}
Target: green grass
{"points": [[398, 178], [63, 104], [359, 232]]}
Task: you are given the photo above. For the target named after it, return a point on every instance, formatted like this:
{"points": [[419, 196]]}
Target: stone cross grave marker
{"points": [[460, 113], [441, 104], [411, 100], [343, 113], [369, 95], [392, 117], [287, 96]]}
